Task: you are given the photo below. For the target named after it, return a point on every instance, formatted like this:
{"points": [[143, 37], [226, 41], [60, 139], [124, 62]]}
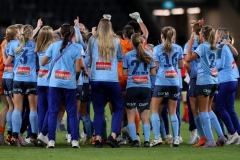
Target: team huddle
{"points": [[46, 72]]}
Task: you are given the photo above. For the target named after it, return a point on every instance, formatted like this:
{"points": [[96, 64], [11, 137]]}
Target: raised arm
{"points": [[39, 24]]}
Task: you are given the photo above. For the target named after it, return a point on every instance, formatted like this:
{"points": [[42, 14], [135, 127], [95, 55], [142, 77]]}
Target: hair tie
{"points": [[22, 34], [107, 16]]}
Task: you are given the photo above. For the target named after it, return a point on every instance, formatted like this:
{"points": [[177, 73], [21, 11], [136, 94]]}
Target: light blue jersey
{"points": [[104, 71], [24, 62], [43, 72], [193, 64], [79, 37], [225, 65], [86, 61], [235, 68], [206, 69], [80, 78], [63, 73], [8, 69], [167, 74], [138, 72]]}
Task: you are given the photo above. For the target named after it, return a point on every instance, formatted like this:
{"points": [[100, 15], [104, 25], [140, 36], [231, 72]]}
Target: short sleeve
{"points": [[155, 54], [125, 60], [12, 49], [49, 51], [198, 51]]}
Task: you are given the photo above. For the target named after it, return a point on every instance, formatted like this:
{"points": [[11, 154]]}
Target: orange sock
{"points": [[2, 129], [137, 123]]}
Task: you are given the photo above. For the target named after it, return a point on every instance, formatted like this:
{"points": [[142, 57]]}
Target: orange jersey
{"points": [[4, 42], [126, 47]]}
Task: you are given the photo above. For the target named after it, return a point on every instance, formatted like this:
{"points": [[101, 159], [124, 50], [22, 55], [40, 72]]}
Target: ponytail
{"points": [[26, 34], [209, 35], [141, 54], [67, 33], [168, 35]]}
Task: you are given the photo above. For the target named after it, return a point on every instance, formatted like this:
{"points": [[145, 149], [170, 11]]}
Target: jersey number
{"points": [[136, 64], [174, 60]]}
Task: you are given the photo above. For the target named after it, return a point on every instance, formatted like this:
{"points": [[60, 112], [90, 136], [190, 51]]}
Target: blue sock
{"points": [[215, 123], [9, 121], [162, 128], [104, 128], [146, 131], [87, 124], [33, 119], [58, 124], [156, 125], [132, 131], [199, 126], [175, 126], [124, 124], [16, 121], [206, 125]]}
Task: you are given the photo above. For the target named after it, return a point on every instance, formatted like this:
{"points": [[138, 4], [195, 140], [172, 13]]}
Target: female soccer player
{"points": [[169, 58], [22, 52], [65, 70], [105, 50], [138, 65]]}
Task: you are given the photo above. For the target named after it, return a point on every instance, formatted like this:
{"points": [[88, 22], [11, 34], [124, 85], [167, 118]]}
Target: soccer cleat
{"points": [[75, 144], [193, 137], [22, 140], [139, 140], [125, 131], [156, 142], [15, 142], [93, 140], [43, 139], [27, 140], [232, 138], [9, 139], [88, 141], [112, 142], [170, 138], [221, 141], [238, 141], [98, 144], [176, 142], [123, 141], [146, 144], [164, 141], [201, 142], [51, 144], [135, 144], [210, 143], [180, 139], [34, 141]]}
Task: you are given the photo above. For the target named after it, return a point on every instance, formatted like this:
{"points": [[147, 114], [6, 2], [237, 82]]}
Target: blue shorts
{"points": [[138, 97], [170, 92], [192, 87], [7, 85], [206, 90], [24, 87]]}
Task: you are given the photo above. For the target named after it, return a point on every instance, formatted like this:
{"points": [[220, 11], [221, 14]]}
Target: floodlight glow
{"points": [[195, 10], [177, 11], [161, 12]]}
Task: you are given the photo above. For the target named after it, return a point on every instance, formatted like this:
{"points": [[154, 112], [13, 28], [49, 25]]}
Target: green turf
{"points": [[64, 151]]}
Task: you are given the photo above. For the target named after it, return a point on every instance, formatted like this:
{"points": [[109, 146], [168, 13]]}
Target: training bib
{"points": [[8, 68], [23, 70], [62, 75], [103, 65], [140, 79], [171, 74], [42, 73]]}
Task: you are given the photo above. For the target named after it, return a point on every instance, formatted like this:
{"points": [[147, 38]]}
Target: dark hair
{"points": [[196, 28], [67, 32], [128, 31], [119, 34], [88, 36], [135, 26], [142, 56]]}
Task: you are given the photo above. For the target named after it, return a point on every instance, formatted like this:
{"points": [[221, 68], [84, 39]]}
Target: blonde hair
{"points": [[223, 32], [25, 35], [137, 42], [167, 33], [45, 38], [209, 35], [106, 44], [11, 32]]}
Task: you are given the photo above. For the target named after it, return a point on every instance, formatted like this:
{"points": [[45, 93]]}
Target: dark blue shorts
{"points": [[206, 90], [138, 97], [79, 92], [7, 85], [170, 92], [24, 87], [85, 93], [192, 87]]}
